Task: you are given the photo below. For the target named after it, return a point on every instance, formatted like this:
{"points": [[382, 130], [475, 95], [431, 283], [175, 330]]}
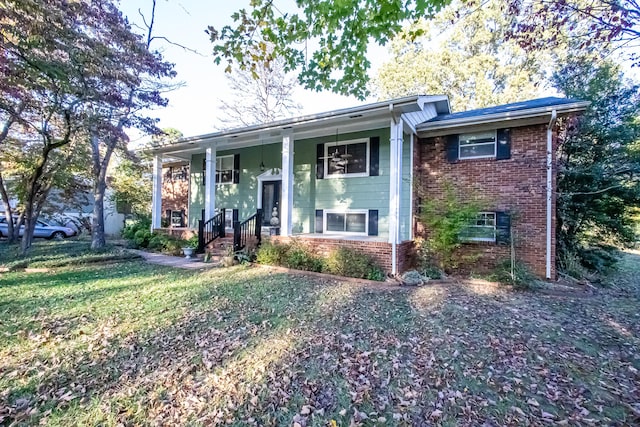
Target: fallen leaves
{"points": [[256, 349]]}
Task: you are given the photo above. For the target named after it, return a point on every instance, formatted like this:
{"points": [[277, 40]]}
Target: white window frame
{"points": [[219, 170], [345, 212], [495, 146], [181, 217], [484, 239], [327, 148]]}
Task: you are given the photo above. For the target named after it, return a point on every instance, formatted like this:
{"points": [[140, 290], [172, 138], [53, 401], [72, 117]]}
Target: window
{"points": [[482, 229], [347, 159], [177, 219], [354, 222], [477, 145], [227, 169], [176, 173], [224, 169]]}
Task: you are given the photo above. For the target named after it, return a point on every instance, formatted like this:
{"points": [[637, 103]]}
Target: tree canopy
{"points": [[462, 53], [598, 160], [326, 41]]}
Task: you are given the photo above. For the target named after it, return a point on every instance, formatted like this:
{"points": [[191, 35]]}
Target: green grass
{"points": [[124, 342]]}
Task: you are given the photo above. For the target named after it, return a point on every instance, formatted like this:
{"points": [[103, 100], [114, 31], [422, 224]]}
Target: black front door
{"points": [[270, 200]]}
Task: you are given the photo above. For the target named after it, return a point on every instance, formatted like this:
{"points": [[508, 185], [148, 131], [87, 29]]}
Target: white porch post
{"points": [[395, 188], [210, 183], [156, 199], [286, 205]]}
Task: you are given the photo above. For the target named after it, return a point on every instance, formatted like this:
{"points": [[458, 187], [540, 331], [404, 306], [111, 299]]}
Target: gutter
{"points": [[393, 182], [438, 125], [379, 107], [550, 127]]}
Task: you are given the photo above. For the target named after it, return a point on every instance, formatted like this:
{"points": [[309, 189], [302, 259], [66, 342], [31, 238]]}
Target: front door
{"points": [[270, 200]]}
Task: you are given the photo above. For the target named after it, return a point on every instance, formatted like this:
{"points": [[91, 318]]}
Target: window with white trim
{"points": [[224, 169], [177, 218], [347, 158], [477, 145], [349, 222], [482, 229]]}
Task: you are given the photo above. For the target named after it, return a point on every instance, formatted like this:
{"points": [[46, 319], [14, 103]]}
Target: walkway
{"points": [[173, 261]]}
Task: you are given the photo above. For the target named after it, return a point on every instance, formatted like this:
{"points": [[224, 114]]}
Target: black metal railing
{"points": [[250, 227], [210, 230]]}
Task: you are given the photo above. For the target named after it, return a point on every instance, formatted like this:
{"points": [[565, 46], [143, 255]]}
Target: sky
{"points": [[193, 108]]}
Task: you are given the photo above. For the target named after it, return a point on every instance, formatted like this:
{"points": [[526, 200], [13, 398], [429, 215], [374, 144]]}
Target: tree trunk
{"points": [[98, 240], [99, 170], [8, 211]]}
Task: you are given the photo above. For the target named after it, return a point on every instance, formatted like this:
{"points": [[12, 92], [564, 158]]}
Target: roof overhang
{"points": [[364, 117], [510, 118]]}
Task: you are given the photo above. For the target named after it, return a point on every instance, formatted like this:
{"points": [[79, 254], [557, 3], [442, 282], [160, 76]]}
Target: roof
{"points": [[518, 112], [362, 117], [504, 108]]}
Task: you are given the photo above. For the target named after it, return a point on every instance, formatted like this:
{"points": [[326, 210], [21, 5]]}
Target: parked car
{"points": [[42, 230]]}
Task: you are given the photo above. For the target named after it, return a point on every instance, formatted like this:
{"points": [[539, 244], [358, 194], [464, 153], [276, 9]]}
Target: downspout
{"points": [[550, 126], [393, 231]]}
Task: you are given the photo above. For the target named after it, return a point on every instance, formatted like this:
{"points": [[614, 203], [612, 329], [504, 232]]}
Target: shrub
{"points": [[271, 253], [142, 237], [131, 228], [351, 263], [301, 258], [446, 219], [522, 277], [600, 259]]}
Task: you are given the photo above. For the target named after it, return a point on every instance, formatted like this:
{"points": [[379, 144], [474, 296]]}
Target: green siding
{"points": [[370, 192], [241, 196], [309, 193]]}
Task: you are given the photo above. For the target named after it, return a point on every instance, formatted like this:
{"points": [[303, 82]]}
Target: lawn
{"points": [[120, 342]]}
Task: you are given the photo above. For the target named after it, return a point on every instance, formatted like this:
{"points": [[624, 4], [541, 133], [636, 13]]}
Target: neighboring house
{"points": [[356, 177]]}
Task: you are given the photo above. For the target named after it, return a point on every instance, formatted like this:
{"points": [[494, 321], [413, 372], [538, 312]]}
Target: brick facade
{"points": [[381, 252], [516, 185], [175, 192]]}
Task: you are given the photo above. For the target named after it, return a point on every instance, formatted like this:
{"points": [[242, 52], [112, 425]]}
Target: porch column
{"points": [[210, 183], [156, 198], [286, 204], [395, 186]]}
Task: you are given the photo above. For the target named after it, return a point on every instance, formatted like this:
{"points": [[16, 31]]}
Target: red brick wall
{"points": [[381, 252], [175, 194], [516, 185]]}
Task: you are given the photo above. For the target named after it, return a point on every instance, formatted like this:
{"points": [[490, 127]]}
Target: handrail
{"points": [[251, 226], [210, 230]]}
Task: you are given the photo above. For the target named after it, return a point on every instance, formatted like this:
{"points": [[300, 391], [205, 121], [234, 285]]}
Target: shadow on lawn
{"points": [[258, 347]]}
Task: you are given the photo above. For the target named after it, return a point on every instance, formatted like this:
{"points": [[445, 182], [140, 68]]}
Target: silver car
{"points": [[42, 230]]}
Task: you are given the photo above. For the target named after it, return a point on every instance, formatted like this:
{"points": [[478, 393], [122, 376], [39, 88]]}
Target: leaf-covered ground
{"points": [[125, 343]]}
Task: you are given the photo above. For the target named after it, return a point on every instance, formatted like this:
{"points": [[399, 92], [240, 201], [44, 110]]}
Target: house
{"points": [[356, 177]]}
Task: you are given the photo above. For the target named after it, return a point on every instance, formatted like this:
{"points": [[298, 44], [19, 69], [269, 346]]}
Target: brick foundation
{"points": [[516, 185], [381, 252]]}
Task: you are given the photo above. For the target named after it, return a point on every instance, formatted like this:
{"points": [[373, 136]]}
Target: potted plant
{"points": [[190, 248], [228, 258]]}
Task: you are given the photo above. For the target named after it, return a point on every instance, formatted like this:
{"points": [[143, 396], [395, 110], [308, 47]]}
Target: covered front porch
{"points": [[344, 176]]}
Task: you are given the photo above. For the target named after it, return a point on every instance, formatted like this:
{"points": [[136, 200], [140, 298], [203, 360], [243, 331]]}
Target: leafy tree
{"points": [[598, 160], [462, 53], [340, 30], [269, 89], [588, 24], [131, 185], [137, 87], [70, 70]]}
